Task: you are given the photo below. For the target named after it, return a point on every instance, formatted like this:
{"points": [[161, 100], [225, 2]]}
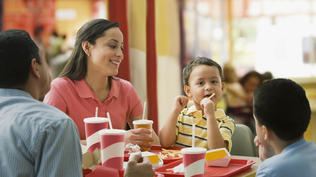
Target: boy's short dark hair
{"points": [[199, 61], [17, 49], [282, 106]]}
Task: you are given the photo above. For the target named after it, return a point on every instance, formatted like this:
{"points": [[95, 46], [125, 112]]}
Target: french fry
{"points": [[212, 96], [164, 154]]}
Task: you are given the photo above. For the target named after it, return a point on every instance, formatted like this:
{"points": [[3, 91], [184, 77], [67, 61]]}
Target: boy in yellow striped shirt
{"points": [[202, 78]]}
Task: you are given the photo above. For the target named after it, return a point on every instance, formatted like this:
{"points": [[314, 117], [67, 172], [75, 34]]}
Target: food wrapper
{"points": [[131, 148], [217, 157], [89, 159], [153, 158], [178, 169]]}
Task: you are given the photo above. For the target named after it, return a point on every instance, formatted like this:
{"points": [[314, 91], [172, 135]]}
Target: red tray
{"points": [[234, 166], [156, 149]]}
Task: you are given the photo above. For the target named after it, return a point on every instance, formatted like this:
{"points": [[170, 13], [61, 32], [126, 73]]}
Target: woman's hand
{"points": [[138, 136]]}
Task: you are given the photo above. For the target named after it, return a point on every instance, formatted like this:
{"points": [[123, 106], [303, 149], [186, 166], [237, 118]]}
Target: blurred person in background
{"points": [[250, 81], [238, 102], [267, 76]]}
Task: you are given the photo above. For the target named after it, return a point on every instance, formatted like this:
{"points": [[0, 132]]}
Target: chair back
{"points": [[242, 141]]}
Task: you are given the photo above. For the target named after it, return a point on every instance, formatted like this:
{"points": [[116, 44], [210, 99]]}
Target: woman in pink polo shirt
{"points": [[88, 81]]}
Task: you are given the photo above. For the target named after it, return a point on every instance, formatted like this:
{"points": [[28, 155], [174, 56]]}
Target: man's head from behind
{"points": [[20, 56], [282, 106]]}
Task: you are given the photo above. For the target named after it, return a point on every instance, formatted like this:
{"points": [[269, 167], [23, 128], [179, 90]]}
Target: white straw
{"points": [[193, 135], [96, 112], [144, 110], [110, 123]]}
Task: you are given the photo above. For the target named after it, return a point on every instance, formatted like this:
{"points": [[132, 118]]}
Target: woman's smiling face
{"points": [[107, 53], [204, 80]]}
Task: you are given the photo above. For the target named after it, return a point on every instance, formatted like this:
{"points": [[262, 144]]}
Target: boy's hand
{"points": [[264, 152], [208, 106], [180, 102]]}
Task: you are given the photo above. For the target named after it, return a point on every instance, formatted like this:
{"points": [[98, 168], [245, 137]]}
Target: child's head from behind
{"points": [[202, 77], [281, 105]]}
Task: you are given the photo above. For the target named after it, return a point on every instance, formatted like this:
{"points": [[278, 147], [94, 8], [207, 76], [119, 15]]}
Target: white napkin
{"points": [[178, 169]]}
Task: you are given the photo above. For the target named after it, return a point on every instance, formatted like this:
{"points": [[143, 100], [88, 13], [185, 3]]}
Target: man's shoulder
{"points": [[34, 109]]}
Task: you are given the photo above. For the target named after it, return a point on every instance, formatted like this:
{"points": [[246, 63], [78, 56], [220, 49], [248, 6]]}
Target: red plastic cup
{"points": [[92, 126], [193, 161], [112, 148]]}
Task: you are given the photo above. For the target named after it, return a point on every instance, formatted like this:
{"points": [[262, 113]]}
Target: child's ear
{"points": [[223, 87], [267, 132], [187, 91]]}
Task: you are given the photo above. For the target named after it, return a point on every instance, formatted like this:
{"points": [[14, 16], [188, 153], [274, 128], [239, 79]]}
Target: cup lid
{"points": [[96, 120], [143, 121], [112, 132], [194, 150]]}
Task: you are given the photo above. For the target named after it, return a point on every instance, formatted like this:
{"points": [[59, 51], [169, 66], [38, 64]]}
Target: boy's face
{"points": [[204, 80]]}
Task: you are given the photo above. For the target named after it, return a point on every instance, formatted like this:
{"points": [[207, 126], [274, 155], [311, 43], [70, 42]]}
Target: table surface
{"points": [[250, 172]]}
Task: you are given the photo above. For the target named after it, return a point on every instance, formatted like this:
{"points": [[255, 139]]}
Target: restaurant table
{"points": [[250, 172]]}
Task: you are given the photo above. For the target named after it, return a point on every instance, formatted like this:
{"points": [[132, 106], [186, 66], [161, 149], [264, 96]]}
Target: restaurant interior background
{"points": [[162, 36]]}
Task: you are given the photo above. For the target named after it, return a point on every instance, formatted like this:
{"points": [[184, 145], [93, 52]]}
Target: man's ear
{"points": [[86, 47], [187, 91], [35, 68]]}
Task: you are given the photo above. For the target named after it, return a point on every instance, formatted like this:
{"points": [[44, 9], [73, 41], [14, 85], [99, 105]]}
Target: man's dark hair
{"points": [[282, 106], [200, 61], [17, 49]]}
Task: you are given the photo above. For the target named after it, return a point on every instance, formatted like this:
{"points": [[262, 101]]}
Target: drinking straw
{"points": [[96, 112], [110, 123], [193, 135], [144, 110]]}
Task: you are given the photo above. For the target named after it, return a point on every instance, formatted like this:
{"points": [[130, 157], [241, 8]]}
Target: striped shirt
{"points": [[188, 116], [36, 139]]}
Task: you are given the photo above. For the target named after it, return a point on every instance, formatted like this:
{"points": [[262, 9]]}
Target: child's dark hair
{"points": [[282, 106], [200, 61]]}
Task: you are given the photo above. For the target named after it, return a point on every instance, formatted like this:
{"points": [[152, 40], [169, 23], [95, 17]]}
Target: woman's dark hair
{"points": [[17, 49], [76, 67]]}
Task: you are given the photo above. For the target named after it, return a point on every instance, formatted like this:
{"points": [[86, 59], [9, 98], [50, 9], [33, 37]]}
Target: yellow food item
{"points": [[167, 154]]}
